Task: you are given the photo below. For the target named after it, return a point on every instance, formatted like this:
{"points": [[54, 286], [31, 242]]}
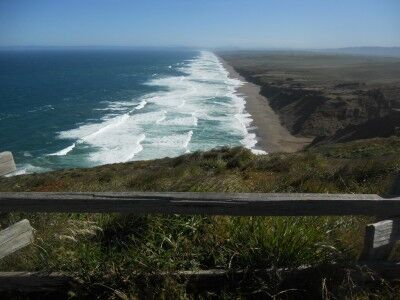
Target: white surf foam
{"points": [[27, 169], [27, 154], [197, 110], [162, 118], [115, 140], [64, 151], [118, 106], [141, 104], [138, 148], [183, 121], [175, 141], [187, 140]]}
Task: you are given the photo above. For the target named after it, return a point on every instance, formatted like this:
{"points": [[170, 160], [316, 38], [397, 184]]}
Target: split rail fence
{"points": [[379, 241]]}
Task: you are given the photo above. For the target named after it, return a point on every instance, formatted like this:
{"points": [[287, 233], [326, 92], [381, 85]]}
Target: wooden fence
{"points": [[380, 238], [7, 164], [234, 204]]}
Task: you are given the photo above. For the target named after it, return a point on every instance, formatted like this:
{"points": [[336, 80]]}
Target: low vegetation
{"points": [[114, 255]]}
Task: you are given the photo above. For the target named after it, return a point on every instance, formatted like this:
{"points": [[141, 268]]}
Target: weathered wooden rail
{"points": [[380, 237], [15, 237], [234, 204]]}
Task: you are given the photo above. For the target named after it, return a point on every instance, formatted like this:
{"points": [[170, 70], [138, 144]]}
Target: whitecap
{"points": [[141, 105], [27, 154], [187, 140], [64, 151]]}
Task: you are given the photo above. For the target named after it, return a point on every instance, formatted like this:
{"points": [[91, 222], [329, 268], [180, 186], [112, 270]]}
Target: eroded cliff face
{"points": [[318, 111], [321, 108], [385, 126]]}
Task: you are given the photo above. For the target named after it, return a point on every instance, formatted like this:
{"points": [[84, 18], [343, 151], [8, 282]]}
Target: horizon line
{"points": [[198, 47]]}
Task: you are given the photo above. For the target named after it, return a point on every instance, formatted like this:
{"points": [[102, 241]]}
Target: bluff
{"points": [[326, 96]]}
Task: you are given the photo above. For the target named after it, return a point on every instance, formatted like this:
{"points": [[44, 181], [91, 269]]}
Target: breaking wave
{"points": [[64, 151], [198, 109]]}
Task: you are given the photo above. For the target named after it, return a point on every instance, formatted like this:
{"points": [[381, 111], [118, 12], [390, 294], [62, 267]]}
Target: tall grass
{"points": [[109, 251]]}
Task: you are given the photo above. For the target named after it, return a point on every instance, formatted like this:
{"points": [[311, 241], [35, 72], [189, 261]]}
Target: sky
{"points": [[201, 23]]}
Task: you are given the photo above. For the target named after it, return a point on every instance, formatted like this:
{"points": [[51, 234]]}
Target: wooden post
{"points": [[380, 239], [15, 237], [7, 164]]}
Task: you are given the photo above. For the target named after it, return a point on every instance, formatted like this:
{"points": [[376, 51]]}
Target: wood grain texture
{"points": [[15, 237], [380, 238], [241, 204], [5, 156], [7, 164]]}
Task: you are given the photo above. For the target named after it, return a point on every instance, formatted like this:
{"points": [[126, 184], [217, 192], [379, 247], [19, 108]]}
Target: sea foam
{"points": [[64, 151], [198, 109]]}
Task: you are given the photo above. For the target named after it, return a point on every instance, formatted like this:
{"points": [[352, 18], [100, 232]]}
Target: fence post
{"points": [[379, 239], [7, 164], [15, 237]]}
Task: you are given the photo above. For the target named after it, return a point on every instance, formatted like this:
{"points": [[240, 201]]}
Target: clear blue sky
{"points": [[203, 23]]}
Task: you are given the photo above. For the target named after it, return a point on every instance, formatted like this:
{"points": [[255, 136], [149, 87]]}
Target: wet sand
{"points": [[271, 135]]}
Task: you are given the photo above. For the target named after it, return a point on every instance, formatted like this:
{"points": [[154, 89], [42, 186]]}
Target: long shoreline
{"points": [[271, 135]]}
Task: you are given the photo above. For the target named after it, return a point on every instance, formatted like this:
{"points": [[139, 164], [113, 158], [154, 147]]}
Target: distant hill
{"points": [[369, 51]]}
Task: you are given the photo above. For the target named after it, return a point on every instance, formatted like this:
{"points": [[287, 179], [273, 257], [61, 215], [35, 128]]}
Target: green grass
{"points": [[362, 149], [107, 251]]}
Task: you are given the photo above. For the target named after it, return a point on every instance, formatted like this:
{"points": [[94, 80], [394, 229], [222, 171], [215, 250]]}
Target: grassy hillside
{"points": [[107, 250], [365, 166]]}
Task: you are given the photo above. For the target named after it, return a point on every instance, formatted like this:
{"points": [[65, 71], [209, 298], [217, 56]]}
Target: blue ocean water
{"points": [[81, 108]]}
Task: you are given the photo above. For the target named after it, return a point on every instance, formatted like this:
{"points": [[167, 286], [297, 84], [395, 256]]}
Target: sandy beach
{"points": [[271, 135]]}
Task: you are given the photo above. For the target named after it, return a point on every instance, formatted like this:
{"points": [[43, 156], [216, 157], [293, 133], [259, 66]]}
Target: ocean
{"points": [[82, 108]]}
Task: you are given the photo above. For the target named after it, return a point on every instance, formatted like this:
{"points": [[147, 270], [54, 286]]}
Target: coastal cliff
{"points": [[316, 112], [319, 95]]}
